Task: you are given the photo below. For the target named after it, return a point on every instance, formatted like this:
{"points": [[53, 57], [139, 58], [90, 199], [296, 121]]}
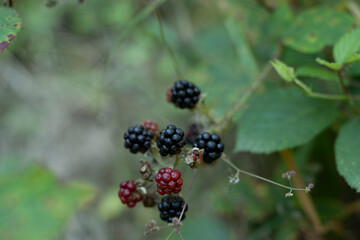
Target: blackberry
{"points": [[138, 139], [170, 140], [170, 207], [128, 193], [168, 181], [212, 145], [185, 94]]}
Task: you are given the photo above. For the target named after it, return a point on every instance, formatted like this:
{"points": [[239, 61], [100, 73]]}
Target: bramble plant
{"points": [[168, 149], [265, 97]]}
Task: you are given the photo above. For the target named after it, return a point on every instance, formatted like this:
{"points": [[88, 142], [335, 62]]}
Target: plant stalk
{"points": [[306, 202]]}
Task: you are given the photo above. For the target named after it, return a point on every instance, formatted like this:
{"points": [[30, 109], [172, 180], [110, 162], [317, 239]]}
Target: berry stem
{"points": [[204, 109], [172, 232], [188, 194], [257, 176], [176, 162]]}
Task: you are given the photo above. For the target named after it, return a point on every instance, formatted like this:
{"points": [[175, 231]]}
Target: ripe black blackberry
{"points": [[170, 207], [185, 94], [170, 140], [212, 145], [138, 139]]}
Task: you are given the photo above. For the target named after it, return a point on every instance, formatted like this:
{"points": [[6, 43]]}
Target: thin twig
{"points": [[354, 8], [170, 234], [181, 236], [241, 102], [346, 91], [188, 194], [258, 177], [265, 5], [352, 207]]}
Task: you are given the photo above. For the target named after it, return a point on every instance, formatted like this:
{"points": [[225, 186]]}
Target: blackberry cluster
{"points": [[128, 193], [170, 207], [185, 94], [168, 181], [170, 140], [212, 145], [138, 139]]}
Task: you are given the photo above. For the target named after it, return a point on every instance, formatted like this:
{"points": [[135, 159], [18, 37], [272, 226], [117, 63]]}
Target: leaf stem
{"points": [[305, 89]]}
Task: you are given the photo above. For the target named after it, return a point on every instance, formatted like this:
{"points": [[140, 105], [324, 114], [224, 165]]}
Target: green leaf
{"points": [[316, 72], [10, 25], [280, 119], [347, 152], [315, 28], [35, 204], [333, 66], [347, 46], [287, 73], [280, 19], [354, 58]]}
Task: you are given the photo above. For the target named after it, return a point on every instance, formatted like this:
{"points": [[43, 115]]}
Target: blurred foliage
{"points": [[34, 202], [77, 75]]}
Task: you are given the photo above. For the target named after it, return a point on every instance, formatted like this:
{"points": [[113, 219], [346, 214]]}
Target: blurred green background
{"points": [[78, 75]]}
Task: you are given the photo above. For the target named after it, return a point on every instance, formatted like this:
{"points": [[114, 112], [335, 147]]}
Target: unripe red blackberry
{"points": [[185, 94], [128, 193], [168, 181], [192, 132], [212, 145], [170, 140], [151, 126], [138, 139], [170, 207]]}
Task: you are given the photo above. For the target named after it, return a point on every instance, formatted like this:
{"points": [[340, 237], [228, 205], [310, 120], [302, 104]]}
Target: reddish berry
{"points": [[128, 193], [194, 159], [151, 126], [168, 181], [168, 94], [192, 132]]}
